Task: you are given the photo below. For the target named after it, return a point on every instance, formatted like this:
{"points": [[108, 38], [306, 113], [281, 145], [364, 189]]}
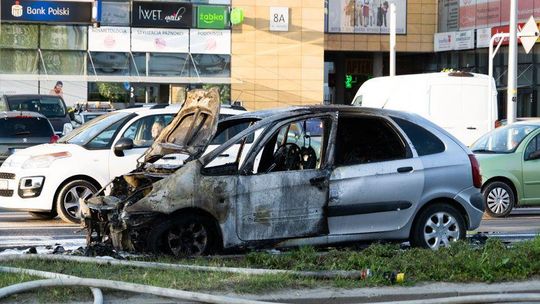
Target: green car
{"points": [[509, 160]]}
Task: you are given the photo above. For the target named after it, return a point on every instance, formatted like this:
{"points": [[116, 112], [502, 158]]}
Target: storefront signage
{"points": [[279, 19], [483, 36], [464, 40], [108, 39], [65, 12], [160, 40], [506, 29], [212, 17], [366, 17], [210, 41], [444, 41], [162, 14]]}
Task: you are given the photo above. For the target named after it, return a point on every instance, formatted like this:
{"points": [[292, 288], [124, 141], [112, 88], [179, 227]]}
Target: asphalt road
{"points": [[19, 229]]}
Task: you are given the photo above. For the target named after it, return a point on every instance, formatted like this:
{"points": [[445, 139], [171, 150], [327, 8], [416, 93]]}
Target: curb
{"points": [[395, 293]]}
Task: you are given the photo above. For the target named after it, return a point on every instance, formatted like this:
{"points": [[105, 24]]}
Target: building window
{"points": [[167, 64], [60, 37], [19, 36], [19, 61], [115, 13], [109, 63], [63, 63], [212, 65]]}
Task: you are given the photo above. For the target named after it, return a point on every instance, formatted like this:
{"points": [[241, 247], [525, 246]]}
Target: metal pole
{"points": [[392, 39], [492, 52], [511, 91]]}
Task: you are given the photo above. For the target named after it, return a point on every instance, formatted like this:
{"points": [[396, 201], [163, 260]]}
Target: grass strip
{"points": [[492, 262]]}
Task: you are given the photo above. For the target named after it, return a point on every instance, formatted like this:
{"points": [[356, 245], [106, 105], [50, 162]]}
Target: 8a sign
{"points": [[279, 19]]}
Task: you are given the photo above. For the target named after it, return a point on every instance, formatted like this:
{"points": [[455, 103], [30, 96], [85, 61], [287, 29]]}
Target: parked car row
{"points": [[48, 180], [185, 184], [51, 106]]}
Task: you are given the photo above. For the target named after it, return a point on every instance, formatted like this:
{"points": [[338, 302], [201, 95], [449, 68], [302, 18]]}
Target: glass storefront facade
{"points": [[33, 57]]}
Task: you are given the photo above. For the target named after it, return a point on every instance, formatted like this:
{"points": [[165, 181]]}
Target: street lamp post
{"points": [[511, 91]]}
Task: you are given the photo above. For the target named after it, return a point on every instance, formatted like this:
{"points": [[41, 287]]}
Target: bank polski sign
{"points": [[212, 17], [67, 12]]}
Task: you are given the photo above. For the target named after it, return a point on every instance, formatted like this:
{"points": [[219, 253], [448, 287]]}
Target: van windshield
{"points": [[50, 106], [357, 101]]}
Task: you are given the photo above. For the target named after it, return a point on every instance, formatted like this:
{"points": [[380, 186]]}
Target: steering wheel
{"points": [[308, 157], [286, 157]]}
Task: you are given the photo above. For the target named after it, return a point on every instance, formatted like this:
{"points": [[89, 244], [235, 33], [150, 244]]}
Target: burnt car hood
{"points": [[191, 130]]}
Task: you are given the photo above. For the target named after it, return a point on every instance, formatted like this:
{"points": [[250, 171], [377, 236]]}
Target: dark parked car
{"points": [[51, 106], [19, 130]]}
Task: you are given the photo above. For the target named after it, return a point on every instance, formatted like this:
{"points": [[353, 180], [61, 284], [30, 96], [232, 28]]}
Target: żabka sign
{"points": [[162, 14], [212, 17], [65, 12]]}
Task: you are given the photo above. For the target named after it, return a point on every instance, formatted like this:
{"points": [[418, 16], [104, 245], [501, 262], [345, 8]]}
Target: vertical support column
{"points": [[512, 65], [340, 71], [392, 39], [378, 64]]}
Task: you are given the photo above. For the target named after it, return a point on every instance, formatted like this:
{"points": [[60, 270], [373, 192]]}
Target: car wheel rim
{"points": [[498, 200], [188, 240], [440, 230], [71, 200]]}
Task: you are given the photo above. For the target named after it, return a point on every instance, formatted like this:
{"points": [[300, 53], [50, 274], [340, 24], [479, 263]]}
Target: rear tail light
{"points": [[498, 123], [54, 138], [475, 167]]}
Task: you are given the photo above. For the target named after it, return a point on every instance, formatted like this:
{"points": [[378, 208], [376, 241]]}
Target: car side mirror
{"points": [[121, 145], [68, 127]]}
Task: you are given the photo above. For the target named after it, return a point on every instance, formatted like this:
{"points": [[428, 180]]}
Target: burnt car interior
{"points": [[373, 140], [295, 146]]}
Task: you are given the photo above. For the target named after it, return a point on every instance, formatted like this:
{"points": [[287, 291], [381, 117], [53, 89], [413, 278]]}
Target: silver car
{"points": [[312, 175]]}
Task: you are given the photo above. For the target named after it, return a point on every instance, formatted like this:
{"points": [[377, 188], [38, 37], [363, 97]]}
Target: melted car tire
{"points": [[502, 185], [43, 215], [60, 208], [159, 235], [417, 234]]}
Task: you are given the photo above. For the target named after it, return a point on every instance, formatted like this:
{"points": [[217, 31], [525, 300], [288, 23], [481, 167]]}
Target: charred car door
{"points": [[377, 182], [285, 190]]}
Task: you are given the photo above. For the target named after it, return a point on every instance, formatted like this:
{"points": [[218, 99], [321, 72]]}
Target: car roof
{"points": [[174, 108], [269, 116], [31, 95], [301, 110], [528, 122], [11, 114]]}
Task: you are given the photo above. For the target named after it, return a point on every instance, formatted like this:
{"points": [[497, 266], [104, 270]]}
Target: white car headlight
{"points": [[44, 160]]}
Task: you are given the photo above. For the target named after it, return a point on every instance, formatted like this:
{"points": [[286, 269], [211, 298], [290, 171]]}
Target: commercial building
{"points": [[277, 53], [145, 51], [462, 41]]}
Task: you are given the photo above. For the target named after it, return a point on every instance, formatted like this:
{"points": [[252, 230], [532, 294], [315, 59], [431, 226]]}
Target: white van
{"points": [[459, 102]]}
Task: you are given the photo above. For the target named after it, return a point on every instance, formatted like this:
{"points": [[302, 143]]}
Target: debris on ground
{"points": [[31, 250]]}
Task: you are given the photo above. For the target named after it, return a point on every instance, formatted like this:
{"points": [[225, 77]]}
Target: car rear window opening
{"points": [[25, 127]]}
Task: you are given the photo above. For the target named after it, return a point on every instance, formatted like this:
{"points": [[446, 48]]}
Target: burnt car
{"points": [[312, 175]]}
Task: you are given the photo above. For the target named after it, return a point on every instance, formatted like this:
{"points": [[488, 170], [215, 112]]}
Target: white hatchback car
{"points": [[48, 180]]}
